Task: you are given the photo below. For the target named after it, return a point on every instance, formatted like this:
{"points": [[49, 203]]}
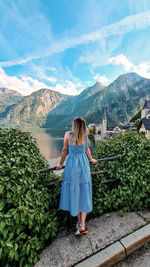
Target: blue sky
{"points": [[69, 45]]}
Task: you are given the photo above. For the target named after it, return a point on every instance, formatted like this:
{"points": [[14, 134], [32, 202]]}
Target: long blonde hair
{"points": [[79, 129]]}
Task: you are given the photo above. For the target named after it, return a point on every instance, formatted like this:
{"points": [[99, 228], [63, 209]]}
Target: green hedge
{"points": [[131, 191], [29, 214], [28, 207]]}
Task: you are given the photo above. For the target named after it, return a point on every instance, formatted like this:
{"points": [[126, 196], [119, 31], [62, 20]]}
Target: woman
{"points": [[76, 190]]}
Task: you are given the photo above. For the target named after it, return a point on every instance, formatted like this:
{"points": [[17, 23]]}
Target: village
{"points": [[102, 131]]}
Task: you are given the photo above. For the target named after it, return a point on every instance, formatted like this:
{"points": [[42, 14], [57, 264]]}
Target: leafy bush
{"points": [[28, 207], [29, 214], [131, 191]]}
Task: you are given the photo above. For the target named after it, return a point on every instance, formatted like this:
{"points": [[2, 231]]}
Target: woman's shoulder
{"points": [[68, 133]]}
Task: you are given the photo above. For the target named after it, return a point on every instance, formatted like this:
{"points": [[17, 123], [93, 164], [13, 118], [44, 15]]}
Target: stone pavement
{"points": [[105, 233]]}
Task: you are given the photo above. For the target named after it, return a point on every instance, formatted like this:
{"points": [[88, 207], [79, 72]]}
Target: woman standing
{"points": [[76, 190]]}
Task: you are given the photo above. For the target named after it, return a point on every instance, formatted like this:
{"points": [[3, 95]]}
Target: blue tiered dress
{"points": [[76, 190]]}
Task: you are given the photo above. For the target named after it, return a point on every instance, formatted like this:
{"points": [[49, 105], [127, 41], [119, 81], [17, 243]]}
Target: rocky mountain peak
{"points": [[7, 92], [131, 77], [99, 84]]}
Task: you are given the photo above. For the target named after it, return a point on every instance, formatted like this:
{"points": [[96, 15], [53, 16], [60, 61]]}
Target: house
{"points": [[117, 129], [91, 125], [145, 113], [125, 127], [98, 128], [145, 128], [145, 120]]}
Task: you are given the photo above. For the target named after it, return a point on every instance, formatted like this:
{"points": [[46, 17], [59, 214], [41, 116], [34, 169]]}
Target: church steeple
{"points": [[104, 123], [105, 118]]}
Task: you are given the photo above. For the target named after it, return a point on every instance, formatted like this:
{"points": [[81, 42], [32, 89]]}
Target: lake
{"points": [[49, 145]]}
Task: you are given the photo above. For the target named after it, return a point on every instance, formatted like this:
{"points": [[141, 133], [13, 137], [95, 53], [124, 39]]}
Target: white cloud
{"points": [[27, 85], [68, 88], [123, 60], [95, 57], [142, 69], [126, 25], [51, 79], [24, 85], [40, 72], [102, 79]]}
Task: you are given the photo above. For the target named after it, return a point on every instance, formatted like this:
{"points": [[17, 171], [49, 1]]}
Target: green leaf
{"points": [[9, 244], [16, 246], [2, 225], [17, 218], [1, 250], [29, 260], [1, 189], [21, 260], [1, 205], [36, 259], [28, 249], [5, 232], [16, 256]]}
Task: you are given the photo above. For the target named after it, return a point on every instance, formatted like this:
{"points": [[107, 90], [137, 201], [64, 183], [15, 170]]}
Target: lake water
{"points": [[51, 146]]}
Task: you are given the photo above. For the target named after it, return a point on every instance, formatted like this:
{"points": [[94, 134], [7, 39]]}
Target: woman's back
{"points": [[77, 162], [76, 149]]}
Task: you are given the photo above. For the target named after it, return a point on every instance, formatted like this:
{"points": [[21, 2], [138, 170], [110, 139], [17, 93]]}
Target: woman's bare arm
{"points": [[88, 152], [64, 151]]}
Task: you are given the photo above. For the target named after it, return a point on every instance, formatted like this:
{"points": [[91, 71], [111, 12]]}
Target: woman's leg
{"points": [[79, 217], [82, 219]]}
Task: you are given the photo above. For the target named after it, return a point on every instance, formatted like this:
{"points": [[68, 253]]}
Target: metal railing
{"points": [[92, 173], [54, 168]]}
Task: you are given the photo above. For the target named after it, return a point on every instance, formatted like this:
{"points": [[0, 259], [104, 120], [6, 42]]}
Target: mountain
{"points": [[49, 109], [72, 107], [68, 105], [32, 109], [122, 99], [4, 92], [8, 98]]}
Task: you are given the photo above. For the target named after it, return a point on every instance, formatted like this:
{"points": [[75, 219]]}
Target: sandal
{"points": [[85, 231], [81, 232], [77, 225]]}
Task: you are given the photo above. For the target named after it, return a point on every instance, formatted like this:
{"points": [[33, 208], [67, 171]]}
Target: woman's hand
{"points": [[59, 167], [94, 161]]}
